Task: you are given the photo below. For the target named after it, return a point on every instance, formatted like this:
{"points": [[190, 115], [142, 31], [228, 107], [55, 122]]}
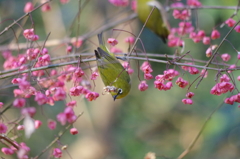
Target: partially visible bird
{"points": [[114, 76], [157, 21]]}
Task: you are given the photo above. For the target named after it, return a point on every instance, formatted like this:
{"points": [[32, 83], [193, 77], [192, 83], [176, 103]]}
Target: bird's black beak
{"points": [[115, 97]]}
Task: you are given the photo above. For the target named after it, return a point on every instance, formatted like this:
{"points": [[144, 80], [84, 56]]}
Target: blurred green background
{"points": [[150, 121]]}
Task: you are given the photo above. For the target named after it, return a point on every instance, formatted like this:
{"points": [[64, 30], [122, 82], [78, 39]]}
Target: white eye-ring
{"points": [[120, 91]]}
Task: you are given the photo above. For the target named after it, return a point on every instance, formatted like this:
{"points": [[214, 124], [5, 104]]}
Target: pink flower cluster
{"points": [[128, 68], [188, 100], [22, 153], [30, 35], [143, 86], [67, 115], [80, 90], [183, 15], [147, 70], [168, 75], [223, 86], [191, 70]]}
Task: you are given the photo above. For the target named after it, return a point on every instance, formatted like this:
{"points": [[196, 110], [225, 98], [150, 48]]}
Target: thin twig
{"points": [[55, 42], [57, 138], [22, 17], [189, 148]]}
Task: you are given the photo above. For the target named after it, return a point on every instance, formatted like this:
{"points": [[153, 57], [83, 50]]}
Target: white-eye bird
{"points": [[114, 76], [157, 21]]}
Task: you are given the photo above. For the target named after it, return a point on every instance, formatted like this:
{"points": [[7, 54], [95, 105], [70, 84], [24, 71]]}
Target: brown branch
{"points": [[14, 72]]}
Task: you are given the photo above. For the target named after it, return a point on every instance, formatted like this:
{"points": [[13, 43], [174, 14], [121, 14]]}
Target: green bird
{"points": [[114, 76], [157, 21]]}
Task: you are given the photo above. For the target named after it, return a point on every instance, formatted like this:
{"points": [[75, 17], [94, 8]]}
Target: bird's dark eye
{"points": [[120, 91]]}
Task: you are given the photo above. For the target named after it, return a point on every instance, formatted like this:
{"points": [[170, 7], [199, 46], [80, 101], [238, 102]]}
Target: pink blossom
{"points": [[112, 41], [143, 86], [209, 51], [238, 56], [78, 43], [52, 124], [3, 128], [73, 131], [44, 60], [40, 98], [193, 70], [183, 15], [7, 151], [225, 57], [195, 3], [128, 68], [18, 92], [206, 40], [237, 28], [130, 40], [78, 73], [69, 49], [94, 75], [37, 124], [148, 76], [221, 88], [189, 94], [71, 103], [61, 117], [175, 41], [215, 34], [57, 153], [19, 102], [31, 111], [185, 28], [159, 85], [231, 67], [181, 82], [70, 115], [169, 74], [91, 96], [30, 35], [146, 67], [229, 101], [225, 78], [1, 105], [168, 86], [76, 91], [134, 5], [230, 22], [115, 50], [160, 78], [20, 127], [16, 80], [46, 7], [44, 51], [6, 54], [59, 94], [187, 101]]}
